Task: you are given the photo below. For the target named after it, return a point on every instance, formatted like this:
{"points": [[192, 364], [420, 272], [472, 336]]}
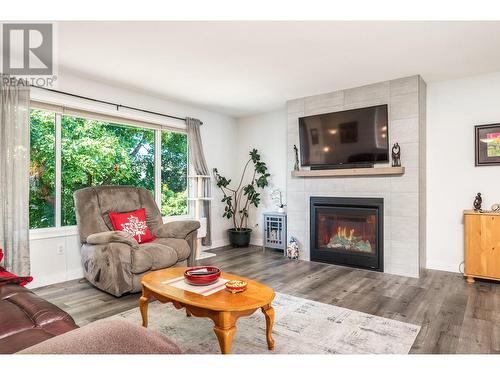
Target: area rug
{"points": [[301, 327]]}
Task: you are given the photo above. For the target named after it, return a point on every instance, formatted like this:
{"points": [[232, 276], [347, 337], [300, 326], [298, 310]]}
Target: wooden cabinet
{"points": [[482, 245]]}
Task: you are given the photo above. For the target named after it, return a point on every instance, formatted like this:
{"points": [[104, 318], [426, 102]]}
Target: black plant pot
{"points": [[239, 237]]}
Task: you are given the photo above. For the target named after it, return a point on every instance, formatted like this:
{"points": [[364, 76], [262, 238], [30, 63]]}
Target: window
{"points": [[96, 153], [42, 169], [174, 166], [100, 153]]}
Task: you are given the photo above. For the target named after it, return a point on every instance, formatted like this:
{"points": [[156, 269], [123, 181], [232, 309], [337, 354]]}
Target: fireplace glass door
{"points": [[347, 231]]}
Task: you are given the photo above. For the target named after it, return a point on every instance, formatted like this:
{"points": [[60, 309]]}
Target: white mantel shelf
{"points": [[351, 172]]}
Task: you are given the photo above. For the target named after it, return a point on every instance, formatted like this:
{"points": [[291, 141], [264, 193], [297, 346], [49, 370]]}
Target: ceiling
{"points": [[245, 68]]}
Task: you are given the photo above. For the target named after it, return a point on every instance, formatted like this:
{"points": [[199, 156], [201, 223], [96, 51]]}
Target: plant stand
{"points": [[274, 231]]}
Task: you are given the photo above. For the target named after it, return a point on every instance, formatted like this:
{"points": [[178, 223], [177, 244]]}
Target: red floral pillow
{"points": [[9, 278], [134, 223]]}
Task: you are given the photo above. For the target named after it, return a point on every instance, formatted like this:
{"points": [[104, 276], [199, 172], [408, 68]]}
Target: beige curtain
{"points": [[14, 175], [199, 164]]}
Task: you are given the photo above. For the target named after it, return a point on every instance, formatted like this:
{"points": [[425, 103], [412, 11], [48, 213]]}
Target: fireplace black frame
{"points": [[365, 261]]}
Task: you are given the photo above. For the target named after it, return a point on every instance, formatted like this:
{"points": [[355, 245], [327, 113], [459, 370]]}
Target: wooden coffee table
{"points": [[223, 307]]}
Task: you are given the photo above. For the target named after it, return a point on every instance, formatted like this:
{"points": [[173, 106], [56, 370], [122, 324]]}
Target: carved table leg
{"points": [[269, 314], [225, 337], [188, 313], [143, 305], [224, 330]]}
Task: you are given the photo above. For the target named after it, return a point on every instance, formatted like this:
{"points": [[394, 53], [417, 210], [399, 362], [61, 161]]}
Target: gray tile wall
{"points": [[404, 196]]}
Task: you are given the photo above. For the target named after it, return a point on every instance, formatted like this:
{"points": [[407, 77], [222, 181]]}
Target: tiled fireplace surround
{"points": [[404, 196]]}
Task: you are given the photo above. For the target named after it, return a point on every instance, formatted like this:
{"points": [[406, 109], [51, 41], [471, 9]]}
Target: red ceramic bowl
{"points": [[195, 276]]}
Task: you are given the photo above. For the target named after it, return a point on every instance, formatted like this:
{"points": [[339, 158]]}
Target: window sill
{"points": [[72, 230], [168, 219], [43, 233]]}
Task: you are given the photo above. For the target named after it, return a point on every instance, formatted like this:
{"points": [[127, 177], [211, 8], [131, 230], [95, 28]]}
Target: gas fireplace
{"points": [[348, 231]]}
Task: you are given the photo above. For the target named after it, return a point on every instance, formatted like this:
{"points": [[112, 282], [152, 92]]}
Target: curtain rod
{"points": [[118, 106]]}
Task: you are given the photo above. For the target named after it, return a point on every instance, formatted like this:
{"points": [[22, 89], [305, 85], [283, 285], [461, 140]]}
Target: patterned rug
{"points": [[301, 327]]}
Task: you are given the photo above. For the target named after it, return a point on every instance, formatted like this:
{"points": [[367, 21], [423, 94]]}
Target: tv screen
{"points": [[358, 136]]}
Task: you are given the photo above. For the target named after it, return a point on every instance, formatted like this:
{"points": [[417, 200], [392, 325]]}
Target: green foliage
{"points": [[221, 181], [99, 153], [173, 203], [42, 170], [238, 200], [493, 148], [174, 166]]}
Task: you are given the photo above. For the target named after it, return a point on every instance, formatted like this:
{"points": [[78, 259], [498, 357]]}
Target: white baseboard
{"points": [[257, 242], [443, 267], [205, 255], [74, 274], [216, 244]]}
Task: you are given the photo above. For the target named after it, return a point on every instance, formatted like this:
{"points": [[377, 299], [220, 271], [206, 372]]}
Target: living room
{"points": [[250, 187]]}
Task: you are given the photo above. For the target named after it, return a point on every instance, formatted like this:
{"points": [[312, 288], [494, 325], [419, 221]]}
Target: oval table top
{"points": [[256, 295]]}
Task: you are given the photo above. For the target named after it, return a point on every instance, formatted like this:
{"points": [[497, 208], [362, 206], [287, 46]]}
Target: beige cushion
{"points": [[106, 337], [180, 246], [120, 199], [152, 256]]}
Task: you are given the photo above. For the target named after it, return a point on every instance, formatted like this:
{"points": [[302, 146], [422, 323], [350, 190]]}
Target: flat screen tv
{"points": [[357, 137]]}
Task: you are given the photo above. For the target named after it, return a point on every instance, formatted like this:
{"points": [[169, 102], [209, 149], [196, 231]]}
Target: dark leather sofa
{"points": [[26, 319]]}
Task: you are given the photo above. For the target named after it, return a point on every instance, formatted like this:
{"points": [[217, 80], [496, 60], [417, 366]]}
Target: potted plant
{"points": [[239, 200]]}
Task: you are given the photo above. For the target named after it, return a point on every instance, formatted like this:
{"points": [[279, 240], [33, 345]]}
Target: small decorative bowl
{"points": [[202, 275], [236, 286]]}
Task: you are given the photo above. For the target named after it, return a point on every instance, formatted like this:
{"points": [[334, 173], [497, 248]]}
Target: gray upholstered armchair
{"points": [[112, 260]]}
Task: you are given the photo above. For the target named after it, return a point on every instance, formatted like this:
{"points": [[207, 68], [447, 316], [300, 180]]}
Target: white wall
{"points": [[453, 108], [219, 134], [267, 133]]}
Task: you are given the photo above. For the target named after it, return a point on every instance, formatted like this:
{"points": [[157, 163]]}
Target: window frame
{"points": [[58, 230]]}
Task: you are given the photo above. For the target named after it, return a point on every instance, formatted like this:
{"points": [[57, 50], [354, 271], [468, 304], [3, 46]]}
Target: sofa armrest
{"points": [[108, 266], [177, 229], [103, 238]]}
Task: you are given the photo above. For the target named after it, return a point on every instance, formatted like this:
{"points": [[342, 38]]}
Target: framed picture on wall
{"points": [[487, 144]]}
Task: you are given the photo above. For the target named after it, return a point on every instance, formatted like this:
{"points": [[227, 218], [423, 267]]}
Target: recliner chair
{"points": [[112, 260]]}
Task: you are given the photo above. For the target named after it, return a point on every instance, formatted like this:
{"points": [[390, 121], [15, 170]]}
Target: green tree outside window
{"points": [[174, 166], [42, 169], [99, 153]]}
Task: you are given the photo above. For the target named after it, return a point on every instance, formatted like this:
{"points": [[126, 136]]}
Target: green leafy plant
{"points": [[239, 200]]}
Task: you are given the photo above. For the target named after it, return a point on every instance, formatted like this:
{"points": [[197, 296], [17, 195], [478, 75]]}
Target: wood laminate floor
{"points": [[455, 317]]}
